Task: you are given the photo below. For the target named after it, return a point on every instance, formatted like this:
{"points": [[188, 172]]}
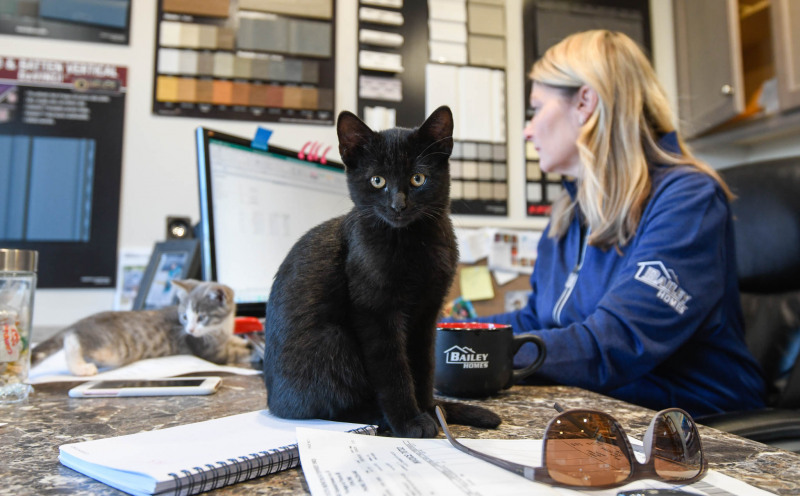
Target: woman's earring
{"points": [[582, 120]]}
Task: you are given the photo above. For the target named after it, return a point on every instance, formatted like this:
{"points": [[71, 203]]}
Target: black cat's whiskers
{"points": [[419, 157], [434, 153]]}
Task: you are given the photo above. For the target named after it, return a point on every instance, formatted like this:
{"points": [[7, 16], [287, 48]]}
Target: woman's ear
{"points": [[585, 103]]}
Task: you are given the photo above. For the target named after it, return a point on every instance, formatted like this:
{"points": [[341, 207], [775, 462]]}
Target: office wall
{"points": [[158, 169], [158, 161]]}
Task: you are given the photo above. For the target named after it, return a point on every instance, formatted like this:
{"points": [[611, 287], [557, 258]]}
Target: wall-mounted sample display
{"points": [[541, 189], [103, 21], [479, 166], [466, 42], [389, 64], [266, 60], [545, 23], [61, 128], [382, 57], [416, 55]]}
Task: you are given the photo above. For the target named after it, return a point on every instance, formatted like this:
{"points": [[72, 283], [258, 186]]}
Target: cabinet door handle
{"points": [[727, 89]]}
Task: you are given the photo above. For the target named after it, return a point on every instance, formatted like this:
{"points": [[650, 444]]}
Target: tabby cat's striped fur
{"points": [[201, 324]]}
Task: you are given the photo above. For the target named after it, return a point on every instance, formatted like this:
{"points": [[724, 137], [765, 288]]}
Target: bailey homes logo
{"points": [[657, 275], [458, 355]]}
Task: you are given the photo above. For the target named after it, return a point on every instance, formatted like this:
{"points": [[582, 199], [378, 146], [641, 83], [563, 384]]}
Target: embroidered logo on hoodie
{"points": [[657, 275]]}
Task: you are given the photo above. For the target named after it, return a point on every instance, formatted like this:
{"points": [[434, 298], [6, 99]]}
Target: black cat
{"points": [[351, 317]]}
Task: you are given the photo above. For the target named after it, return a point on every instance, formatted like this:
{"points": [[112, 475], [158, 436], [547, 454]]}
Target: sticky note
{"points": [[476, 283]]}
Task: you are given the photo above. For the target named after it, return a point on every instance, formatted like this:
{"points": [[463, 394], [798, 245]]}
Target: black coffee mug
{"points": [[476, 360]]}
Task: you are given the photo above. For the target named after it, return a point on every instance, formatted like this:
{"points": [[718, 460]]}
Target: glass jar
{"points": [[17, 285]]}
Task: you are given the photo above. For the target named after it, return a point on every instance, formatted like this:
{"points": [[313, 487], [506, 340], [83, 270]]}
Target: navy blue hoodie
{"points": [[659, 324]]}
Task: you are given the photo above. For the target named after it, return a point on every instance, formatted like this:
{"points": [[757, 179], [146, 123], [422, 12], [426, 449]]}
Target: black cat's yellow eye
{"points": [[377, 182], [418, 180]]}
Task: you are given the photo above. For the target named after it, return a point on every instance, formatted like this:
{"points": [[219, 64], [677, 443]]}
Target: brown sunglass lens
{"points": [[586, 449], [677, 454]]}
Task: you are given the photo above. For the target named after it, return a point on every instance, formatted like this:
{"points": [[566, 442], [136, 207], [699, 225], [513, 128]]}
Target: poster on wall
{"points": [[262, 60], [102, 21], [61, 129]]}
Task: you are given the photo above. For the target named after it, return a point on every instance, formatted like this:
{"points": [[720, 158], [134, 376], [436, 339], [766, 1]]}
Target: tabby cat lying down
{"points": [[201, 324]]}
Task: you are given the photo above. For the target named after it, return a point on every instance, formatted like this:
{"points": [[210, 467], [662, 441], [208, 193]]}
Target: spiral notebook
{"points": [[198, 457]]}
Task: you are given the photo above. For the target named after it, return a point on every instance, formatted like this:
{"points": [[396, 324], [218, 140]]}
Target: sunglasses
{"points": [[588, 448]]}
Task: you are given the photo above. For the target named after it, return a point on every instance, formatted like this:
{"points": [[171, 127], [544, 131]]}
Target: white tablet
{"points": [[147, 387]]}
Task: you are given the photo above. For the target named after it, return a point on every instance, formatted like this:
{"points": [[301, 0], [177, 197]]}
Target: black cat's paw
{"points": [[422, 425]]}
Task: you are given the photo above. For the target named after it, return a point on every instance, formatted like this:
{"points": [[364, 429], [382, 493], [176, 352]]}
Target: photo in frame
{"points": [[174, 259], [131, 265]]}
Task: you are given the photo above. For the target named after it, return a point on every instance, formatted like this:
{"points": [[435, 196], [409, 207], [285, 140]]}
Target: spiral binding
{"points": [[234, 470]]}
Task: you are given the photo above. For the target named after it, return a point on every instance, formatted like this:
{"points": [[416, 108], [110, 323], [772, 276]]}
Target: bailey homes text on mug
{"points": [[467, 357]]}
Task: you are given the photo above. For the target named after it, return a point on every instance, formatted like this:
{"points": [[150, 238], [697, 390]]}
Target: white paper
{"points": [[473, 244], [340, 463], [136, 462], [54, 369], [514, 250], [503, 277]]}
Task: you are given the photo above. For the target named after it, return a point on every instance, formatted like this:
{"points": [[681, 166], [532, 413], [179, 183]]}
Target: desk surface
{"points": [[49, 418]]}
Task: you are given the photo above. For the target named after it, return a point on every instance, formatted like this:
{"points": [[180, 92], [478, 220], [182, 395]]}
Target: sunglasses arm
{"points": [[530, 473]]}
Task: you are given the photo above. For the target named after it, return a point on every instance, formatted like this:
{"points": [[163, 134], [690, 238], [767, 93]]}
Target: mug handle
{"points": [[519, 340]]}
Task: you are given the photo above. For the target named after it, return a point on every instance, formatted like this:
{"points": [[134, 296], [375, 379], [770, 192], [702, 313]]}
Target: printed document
{"points": [[339, 463]]}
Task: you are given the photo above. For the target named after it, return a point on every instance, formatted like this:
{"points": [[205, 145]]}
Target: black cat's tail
{"points": [[464, 414]]}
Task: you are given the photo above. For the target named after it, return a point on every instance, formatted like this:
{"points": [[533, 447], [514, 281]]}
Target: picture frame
{"points": [[131, 264], [172, 259]]}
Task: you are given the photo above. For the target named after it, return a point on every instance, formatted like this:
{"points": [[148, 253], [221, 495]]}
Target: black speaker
{"points": [[179, 228]]}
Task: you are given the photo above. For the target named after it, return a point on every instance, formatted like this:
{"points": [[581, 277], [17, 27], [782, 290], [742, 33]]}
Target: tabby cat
{"points": [[201, 324], [350, 323]]}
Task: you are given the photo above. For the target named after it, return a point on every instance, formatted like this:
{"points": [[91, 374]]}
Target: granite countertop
{"points": [[50, 418]]}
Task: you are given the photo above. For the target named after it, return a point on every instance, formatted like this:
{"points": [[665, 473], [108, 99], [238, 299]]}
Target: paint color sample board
{"points": [[466, 71], [416, 55], [102, 21], [265, 60]]}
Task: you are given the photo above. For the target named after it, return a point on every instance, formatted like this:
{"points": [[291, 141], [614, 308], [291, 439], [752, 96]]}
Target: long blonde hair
{"points": [[619, 137]]}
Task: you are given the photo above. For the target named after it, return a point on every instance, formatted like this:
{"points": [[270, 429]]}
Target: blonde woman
{"points": [[634, 290]]}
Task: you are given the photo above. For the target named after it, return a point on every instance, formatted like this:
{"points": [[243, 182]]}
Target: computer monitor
{"points": [[254, 205]]}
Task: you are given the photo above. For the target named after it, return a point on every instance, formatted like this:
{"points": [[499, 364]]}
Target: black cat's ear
{"points": [[438, 129], [353, 136]]}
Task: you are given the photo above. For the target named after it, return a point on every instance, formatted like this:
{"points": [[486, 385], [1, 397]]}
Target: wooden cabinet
{"points": [[729, 53], [786, 25]]}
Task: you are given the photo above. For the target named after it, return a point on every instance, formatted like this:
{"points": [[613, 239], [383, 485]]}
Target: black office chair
{"points": [[767, 231]]}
